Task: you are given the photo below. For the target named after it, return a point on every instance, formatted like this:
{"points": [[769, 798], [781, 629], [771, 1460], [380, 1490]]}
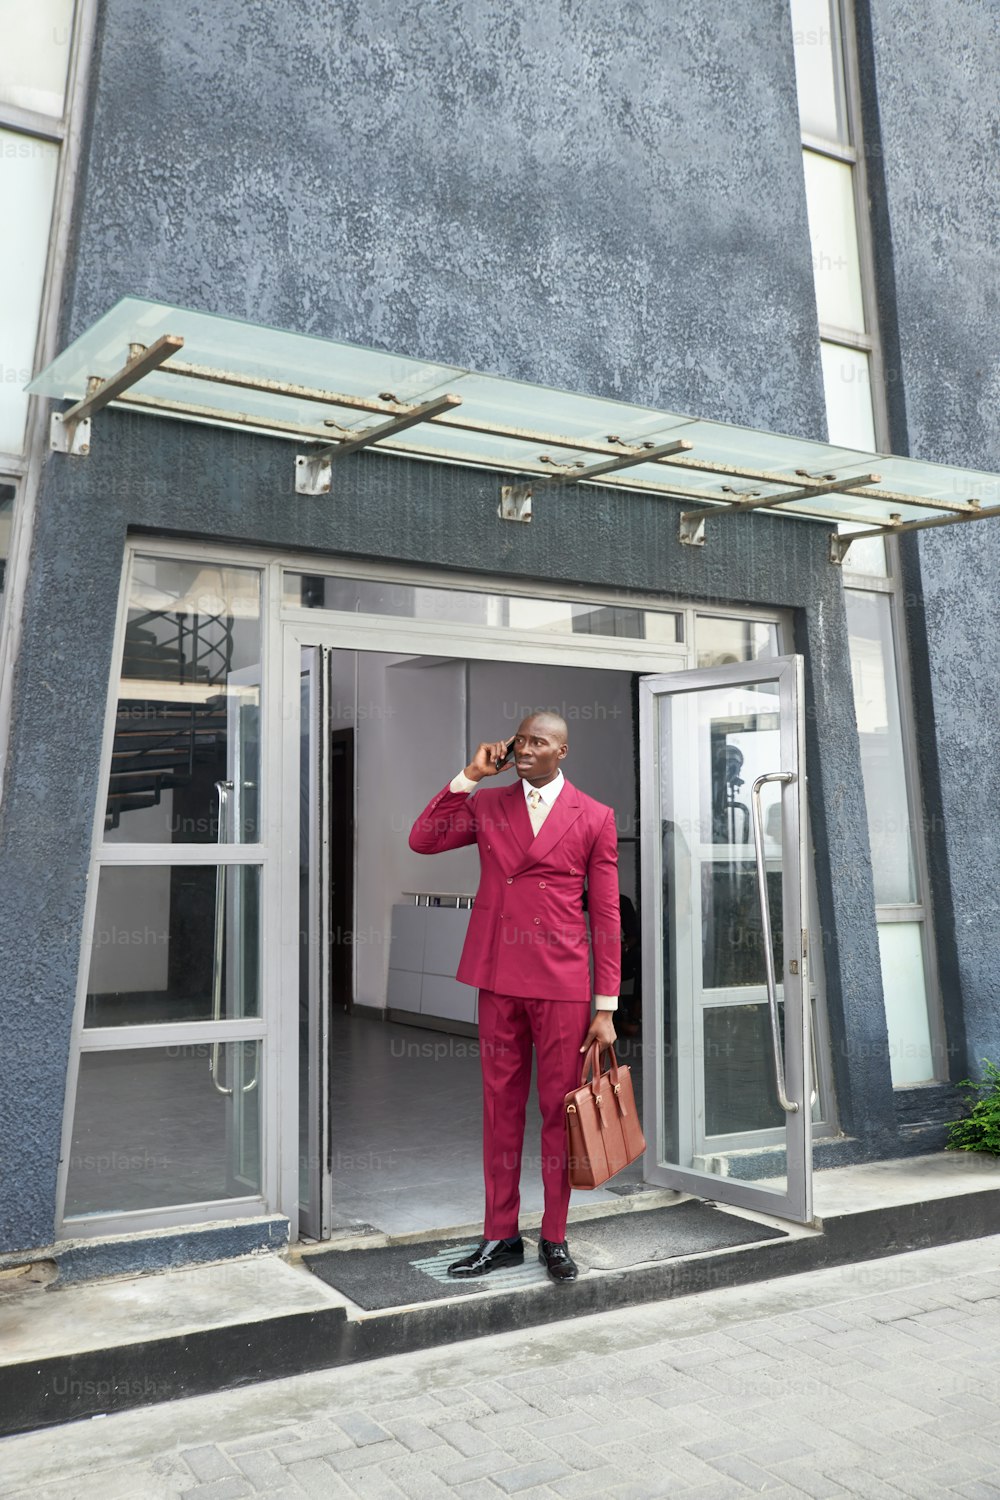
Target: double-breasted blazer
{"points": [[528, 931]]}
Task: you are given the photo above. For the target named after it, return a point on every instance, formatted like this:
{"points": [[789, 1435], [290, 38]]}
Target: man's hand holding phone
{"points": [[491, 757]]}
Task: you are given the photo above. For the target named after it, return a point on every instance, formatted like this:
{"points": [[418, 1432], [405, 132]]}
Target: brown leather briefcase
{"points": [[603, 1133]]}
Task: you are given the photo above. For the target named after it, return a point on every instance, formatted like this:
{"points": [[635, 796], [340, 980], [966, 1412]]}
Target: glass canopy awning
{"points": [[334, 399]]}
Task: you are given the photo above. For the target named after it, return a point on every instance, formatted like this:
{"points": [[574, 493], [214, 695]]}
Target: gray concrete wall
{"points": [[601, 197], [605, 198], [934, 68]]}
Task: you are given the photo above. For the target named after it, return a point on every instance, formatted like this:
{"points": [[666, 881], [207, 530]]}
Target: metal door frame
{"points": [[796, 1201], [301, 631]]}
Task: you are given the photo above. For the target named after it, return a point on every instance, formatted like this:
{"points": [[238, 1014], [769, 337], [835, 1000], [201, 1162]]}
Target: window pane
{"points": [[34, 58], [175, 943], [469, 607], [903, 986], [186, 760], [876, 705], [850, 419], [834, 236], [27, 185], [819, 70], [7, 494], [720, 641], [159, 1126]]}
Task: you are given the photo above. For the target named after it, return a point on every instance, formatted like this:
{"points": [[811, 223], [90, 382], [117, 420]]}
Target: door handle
{"points": [[784, 777], [223, 788]]}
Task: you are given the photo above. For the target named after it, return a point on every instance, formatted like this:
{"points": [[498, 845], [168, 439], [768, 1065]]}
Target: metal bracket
{"points": [[69, 431], [515, 503], [69, 437], [515, 499], [314, 471], [839, 547], [691, 530]]}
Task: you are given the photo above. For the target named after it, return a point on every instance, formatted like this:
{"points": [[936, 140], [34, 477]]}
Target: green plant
{"points": [[980, 1129]]}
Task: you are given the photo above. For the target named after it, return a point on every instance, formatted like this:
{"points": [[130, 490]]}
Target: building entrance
{"points": [[704, 770], [268, 1019]]}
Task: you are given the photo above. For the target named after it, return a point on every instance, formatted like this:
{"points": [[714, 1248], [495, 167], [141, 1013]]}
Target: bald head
{"points": [[553, 724], [540, 744]]}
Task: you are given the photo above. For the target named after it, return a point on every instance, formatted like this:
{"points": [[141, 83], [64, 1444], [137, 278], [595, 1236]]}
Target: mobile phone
{"points": [[507, 754]]}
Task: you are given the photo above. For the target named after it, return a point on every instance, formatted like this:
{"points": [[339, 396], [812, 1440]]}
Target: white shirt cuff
{"points": [[606, 1002], [462, 783]]}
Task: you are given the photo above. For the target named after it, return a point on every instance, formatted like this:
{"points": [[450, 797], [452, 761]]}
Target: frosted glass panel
{"points": [[34, 56], [865, 556], [905, 993], [847, 386], [834, 235], [480, 432], [818, 70], [876, 705], [27, 184]]}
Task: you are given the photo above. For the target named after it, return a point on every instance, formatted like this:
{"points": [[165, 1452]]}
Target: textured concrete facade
{"points": [[607, 199], [933, 83]]}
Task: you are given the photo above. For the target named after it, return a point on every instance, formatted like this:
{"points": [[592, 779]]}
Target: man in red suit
{"points": [[528, 952]]}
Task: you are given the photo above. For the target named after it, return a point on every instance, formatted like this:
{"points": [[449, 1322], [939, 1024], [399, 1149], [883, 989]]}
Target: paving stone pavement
{"points": [[878, 1380]]}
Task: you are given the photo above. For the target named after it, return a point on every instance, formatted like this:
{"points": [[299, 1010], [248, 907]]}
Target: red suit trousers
{"points": [[508, 1028]]}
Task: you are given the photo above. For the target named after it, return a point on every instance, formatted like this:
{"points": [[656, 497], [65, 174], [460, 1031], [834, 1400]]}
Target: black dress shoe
{"points": [[556, 1259], [488, 1256]]}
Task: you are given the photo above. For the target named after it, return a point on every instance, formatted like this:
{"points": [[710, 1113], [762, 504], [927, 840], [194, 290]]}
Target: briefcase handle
{"points": [[592, 1065]]}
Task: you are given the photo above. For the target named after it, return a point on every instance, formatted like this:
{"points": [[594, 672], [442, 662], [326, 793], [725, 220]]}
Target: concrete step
{"points": [[82, 1349]]}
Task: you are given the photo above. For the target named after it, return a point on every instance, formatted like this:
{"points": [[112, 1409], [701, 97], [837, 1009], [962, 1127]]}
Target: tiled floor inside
{"points": [[152, 1128], [407, 1130]]}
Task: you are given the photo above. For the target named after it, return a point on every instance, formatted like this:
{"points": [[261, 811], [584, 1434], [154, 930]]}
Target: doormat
{"points": [[688, 1228], [399, 1275]]}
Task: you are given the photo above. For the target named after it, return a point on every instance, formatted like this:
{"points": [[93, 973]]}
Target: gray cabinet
{"points": [[425, 947]]}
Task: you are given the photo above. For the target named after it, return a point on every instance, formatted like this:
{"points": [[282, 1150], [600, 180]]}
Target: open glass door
{"points": [[235, 1067], [726, 1016], [315, 1187]]}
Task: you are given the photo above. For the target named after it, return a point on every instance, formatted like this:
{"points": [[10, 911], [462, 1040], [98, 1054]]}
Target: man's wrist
{"points": [[472, 773]]}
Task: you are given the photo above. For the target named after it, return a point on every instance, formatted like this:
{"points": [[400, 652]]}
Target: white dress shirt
{"points": [[537, 815]]}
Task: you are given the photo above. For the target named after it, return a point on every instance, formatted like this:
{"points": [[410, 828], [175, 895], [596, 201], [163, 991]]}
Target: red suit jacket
{"points": [[528, 930]]}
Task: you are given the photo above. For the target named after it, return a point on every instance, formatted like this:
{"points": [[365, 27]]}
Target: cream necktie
{"points": [[537, 809]]}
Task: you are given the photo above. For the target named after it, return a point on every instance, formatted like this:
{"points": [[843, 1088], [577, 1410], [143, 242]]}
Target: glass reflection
{"points": [[186, 759], [720, 640], [175, 943], [740, 1083], [159, 1126], [469, 607]]}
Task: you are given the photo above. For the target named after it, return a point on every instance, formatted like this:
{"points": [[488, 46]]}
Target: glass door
{"points": [[235, 1070], [726, 1018], [315, 1184]]}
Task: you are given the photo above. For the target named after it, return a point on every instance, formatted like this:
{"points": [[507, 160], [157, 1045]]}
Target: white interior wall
{"points": [[410, 718], [417, 721]]}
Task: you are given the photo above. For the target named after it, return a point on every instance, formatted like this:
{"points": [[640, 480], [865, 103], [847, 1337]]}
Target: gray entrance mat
{"points": [[400, 1275], [688, 1228]]}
